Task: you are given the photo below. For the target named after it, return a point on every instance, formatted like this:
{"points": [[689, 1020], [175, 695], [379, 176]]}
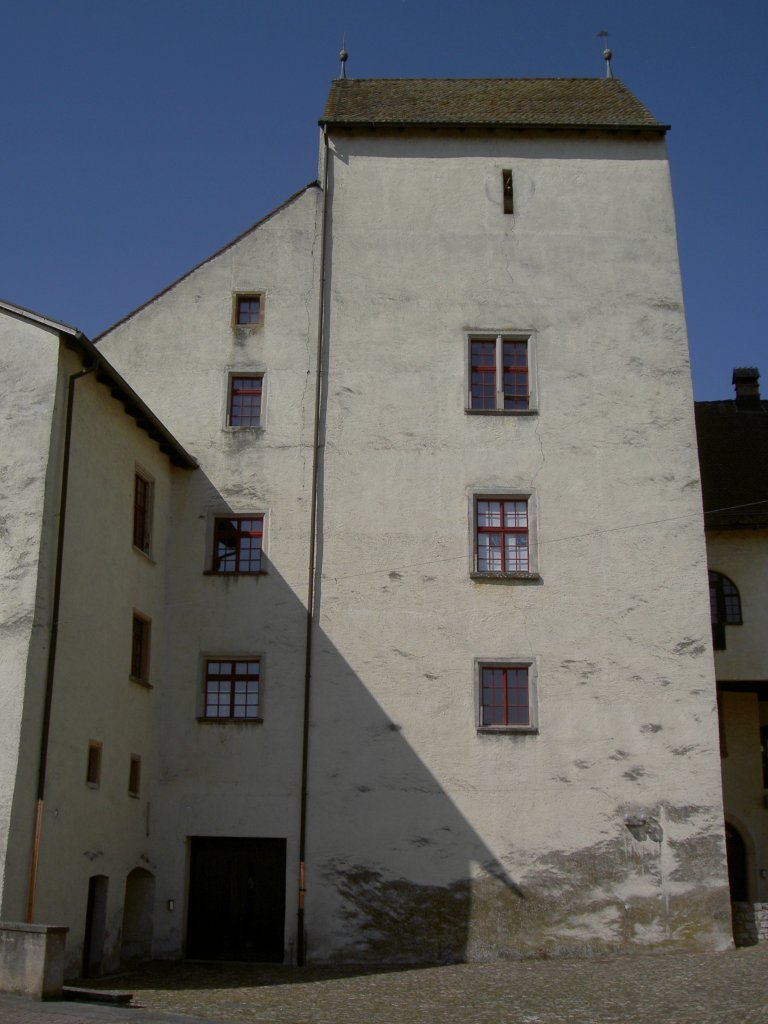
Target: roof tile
{"points": [[514, 102]]}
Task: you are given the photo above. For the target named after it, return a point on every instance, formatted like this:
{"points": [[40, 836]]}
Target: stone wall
{"points": [[750, 923]]}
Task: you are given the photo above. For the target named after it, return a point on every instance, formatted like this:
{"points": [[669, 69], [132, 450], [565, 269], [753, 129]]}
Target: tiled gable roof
{"points": [[510, 102], [733, 457]]}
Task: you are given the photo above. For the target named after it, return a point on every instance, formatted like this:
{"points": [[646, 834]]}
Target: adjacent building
{"points": [[733, 452], [417, 659]]}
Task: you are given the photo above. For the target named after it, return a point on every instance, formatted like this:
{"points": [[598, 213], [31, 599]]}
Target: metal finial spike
{"points": [[607, 55], [343, 56]]}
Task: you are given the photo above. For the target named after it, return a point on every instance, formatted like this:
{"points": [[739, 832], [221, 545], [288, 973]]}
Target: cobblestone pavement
{"points": [[668, 987]]}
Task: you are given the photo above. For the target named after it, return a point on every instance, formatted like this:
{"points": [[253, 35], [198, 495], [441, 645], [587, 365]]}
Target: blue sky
{"points": [[141, 135]]}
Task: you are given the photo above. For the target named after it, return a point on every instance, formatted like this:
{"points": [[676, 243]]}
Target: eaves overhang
{"points": [[511, 126]]}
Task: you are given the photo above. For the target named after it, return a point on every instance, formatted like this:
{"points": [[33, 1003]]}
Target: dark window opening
{"points": [[725, 607], [134, 776], [93, 767]]}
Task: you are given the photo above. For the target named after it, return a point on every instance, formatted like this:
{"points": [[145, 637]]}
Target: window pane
{"points": [[482, 374], [515, 375]]}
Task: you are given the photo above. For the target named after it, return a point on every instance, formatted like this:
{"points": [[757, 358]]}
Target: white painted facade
{"points": [[427, 837]]}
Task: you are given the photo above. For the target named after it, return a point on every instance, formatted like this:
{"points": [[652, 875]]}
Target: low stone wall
{"points": [[750, 923], [32, 959]]}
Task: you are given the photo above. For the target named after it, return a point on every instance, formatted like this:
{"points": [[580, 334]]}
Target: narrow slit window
{"points": [[142, 513], [506, 190], [140, 649], [134, 776], [93, 766]]}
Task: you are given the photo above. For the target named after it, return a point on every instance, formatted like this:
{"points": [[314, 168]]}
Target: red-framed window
{"points": [[505, 698], [237, 544], [232, 688], [499, 374], [140, 633], [725, 607], [245, 400], [248, 310], [142, 513], [501, 535]]}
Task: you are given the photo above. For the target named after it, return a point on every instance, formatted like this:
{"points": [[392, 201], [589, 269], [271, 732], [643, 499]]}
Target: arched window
{"points": [[725, 607]]}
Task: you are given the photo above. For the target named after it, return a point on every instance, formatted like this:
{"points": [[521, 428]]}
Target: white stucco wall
{"points": [[421, 256], [28, 373]]}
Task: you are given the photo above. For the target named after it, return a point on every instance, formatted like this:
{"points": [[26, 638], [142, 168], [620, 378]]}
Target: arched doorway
{"points": [[137, 916]]}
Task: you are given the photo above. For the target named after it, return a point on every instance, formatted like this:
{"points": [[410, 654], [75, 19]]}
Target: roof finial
{"points": [[606, 54], [343, 56]]}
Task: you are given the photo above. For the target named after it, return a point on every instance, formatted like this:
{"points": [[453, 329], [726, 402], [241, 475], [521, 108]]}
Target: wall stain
{"points": [[693, 648], [612, 896]]}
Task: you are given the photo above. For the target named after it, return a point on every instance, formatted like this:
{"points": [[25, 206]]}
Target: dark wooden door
{"points": [[236, 899]]}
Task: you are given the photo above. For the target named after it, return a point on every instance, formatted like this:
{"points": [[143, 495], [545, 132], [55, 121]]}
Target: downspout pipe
{"points": [[52, 642], [301, 952]]}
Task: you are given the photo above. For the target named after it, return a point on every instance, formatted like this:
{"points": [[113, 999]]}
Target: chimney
{"points": [[745, 380]]}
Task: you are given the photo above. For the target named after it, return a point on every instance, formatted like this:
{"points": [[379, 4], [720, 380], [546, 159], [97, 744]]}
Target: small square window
{"points": [[142, 512], [248, 309], [93, 765], [245, 400], [237, 544], [505, 696], [499, 375], [502, 537], [140, 634], [134, 776], [232, 688]]}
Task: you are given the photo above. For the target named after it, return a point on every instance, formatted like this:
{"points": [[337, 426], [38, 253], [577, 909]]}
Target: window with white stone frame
{"points": [[505, 695], [232, 689], [500, 373], [503, 541]]}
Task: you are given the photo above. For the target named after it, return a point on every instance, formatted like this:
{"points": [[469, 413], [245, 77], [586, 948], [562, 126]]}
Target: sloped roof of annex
{"points": [[208, 259], [106, 374], [523, 103]]}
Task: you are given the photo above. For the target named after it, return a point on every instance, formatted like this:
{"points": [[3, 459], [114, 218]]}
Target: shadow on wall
{"points": [[396, 873]]}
